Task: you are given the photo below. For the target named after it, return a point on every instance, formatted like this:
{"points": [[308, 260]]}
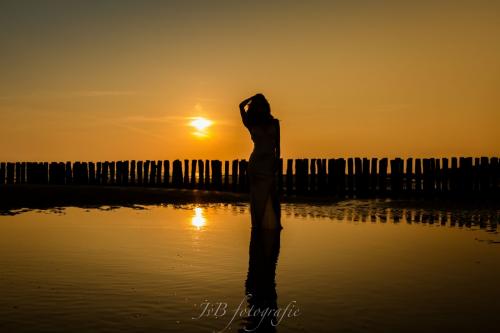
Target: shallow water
{"points": [[356, 266]]}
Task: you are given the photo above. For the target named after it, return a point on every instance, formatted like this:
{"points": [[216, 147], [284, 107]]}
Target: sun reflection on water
{"points": [[198, 220]]}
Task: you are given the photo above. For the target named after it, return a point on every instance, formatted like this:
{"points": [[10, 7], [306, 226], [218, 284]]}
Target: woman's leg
{"points": [[269, 220]]}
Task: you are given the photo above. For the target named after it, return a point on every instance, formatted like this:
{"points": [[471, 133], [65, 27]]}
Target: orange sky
{"points": [[122, 79]]}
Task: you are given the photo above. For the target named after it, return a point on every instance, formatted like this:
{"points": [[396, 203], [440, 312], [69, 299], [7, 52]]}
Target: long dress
{"points": [[264, 200]]}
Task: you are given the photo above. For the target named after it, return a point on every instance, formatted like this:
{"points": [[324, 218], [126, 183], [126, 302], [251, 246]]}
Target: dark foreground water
{"points": [[357, 266]]}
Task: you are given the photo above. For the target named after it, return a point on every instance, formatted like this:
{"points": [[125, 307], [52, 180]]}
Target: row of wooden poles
{"points": [[336, 176]]}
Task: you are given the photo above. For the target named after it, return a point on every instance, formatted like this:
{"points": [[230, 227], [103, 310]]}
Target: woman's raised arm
{"points": [[243, 112]]}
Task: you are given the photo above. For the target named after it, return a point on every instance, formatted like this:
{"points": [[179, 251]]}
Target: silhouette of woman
{"points": [[263, 163]]}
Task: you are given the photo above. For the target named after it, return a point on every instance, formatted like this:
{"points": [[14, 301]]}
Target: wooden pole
{"points": [[119, 170], [242, 175], [445, 176], [38, 172], [166, 173], [484, 175], [332, 181], [193, 173], [140, 170], [92, 173], [312, 182], [289, 176], [341, 176], [313, 176], [438, 175], [219, 175], [152, 174], [465, 172], [374, 175], [226, 175], [366, 176], [418, 176], [305, 175], [213, 167], [409, 176], [393, 176], [112, 172], [52, 173], [475, 175], [77, 173], [126, 173], [469, 166], [426, 176], [186, 174], [177, 174], [495, 175], [29, 174], [299, 181], [18, 173], [159, 174], [85, 173], [98, 173], [301, 174], [60, 173], [207, 174], [23, 172], [133, 172], [201, 174], [105, 170], [216, 175], [234, 175], [146, 166], [432, 175], [350, 176], [3, 173], [454, 174], [45, 173], [358, 176], [383, 176]]}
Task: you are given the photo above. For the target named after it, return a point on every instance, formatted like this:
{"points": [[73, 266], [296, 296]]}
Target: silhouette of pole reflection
{"points": [[260, 285]]}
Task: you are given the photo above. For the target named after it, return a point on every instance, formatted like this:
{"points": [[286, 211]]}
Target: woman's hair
{"points": [[259, 111]]}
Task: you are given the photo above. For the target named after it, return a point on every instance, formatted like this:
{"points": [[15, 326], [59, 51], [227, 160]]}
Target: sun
{"points": [[201, 125]]}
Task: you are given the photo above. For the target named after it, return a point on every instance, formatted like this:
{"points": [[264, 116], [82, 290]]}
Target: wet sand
{"points": [[44, 196], [14, 197]]}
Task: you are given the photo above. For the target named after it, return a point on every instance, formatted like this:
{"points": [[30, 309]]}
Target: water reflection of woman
{"points": [[260, 285]]}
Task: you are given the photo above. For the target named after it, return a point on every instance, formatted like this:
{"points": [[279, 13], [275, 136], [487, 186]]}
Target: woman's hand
{"points": [[244, 103]]}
